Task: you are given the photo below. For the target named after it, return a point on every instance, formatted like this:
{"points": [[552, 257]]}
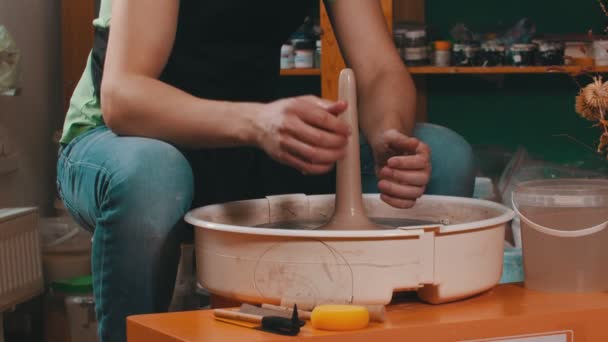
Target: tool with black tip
{"points": [[275, 324]]}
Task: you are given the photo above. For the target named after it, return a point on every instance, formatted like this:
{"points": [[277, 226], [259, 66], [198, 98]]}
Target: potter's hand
{"points": [[403, 168], [304, 133]]}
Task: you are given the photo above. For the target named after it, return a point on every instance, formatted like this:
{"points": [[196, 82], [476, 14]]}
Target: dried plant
{"points": [[591, 104], [592, 100]]}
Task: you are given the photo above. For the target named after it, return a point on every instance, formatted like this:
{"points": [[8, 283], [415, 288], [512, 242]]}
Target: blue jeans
{"points": [[132, 193]]}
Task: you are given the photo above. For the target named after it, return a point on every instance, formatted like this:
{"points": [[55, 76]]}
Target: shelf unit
{"points": [[498, 70], [563, 69], [414, 11]]}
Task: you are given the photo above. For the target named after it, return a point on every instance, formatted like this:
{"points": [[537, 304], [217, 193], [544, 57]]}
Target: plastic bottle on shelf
{"points": [[287, 56], [522, 54], [443, 54], [318, 55]]}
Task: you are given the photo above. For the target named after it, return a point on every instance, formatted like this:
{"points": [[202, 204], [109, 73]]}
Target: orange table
{"points": [[508, 313]]}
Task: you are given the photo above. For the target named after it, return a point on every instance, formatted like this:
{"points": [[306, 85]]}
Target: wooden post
{"points": [[76, 42]]}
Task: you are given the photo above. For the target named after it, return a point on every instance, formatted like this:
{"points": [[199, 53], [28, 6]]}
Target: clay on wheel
{"points": [[349, 213]]}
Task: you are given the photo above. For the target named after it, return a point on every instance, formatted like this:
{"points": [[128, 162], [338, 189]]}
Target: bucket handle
{"points": [[64, 238], [560, 233]]}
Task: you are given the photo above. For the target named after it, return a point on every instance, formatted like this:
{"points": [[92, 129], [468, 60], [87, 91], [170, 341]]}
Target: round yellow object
{"points": [[339, 317]]}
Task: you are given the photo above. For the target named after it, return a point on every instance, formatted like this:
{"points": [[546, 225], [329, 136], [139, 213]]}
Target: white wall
{"points": [[32, 117]]}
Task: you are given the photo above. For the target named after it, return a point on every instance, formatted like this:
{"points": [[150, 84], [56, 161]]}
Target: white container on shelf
{"points": [[600, 52], [287, 56], [577, 50], [304, 54]]}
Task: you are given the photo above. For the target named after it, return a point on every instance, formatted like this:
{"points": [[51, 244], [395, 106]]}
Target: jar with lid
{"points": [[416, 50], [522, 54], [443, 54], [492, 53], [549, 52], [467, 53], [304, 54], [287, 56]]}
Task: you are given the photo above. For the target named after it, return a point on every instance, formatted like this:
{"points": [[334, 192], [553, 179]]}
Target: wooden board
{"points": [[76, 42], [300, 72]]}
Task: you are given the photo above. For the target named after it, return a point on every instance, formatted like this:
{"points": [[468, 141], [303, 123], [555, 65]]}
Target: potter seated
{"points": [[180, 114]]}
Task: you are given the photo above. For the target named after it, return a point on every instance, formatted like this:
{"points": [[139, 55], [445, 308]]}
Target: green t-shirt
{"points": [[84, 112]]}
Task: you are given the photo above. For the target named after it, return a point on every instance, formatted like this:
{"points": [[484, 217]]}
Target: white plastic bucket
{"points": [[564, 226], [66, 249]]}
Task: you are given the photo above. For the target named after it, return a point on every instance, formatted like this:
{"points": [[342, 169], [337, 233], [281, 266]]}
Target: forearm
{"points": [[387, 101], [386, 93], [142, 106]]}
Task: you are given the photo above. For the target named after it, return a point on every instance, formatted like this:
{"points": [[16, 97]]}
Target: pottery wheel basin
{"points": [[268, 250]]}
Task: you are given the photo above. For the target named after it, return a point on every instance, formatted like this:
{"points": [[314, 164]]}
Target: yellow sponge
{"points": [[339, 317]]}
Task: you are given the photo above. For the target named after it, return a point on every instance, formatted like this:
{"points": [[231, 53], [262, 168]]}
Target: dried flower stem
{"points": [[603, 7]]}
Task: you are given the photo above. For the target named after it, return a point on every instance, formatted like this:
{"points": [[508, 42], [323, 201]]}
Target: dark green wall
{"points": [[514, 109], [503, 112]]}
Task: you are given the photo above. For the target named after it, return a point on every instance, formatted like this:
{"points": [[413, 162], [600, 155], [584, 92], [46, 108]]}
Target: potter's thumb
{"points": [[336, 107], [399, 142]]}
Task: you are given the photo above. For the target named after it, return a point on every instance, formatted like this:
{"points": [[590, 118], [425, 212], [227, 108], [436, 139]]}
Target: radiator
{"points": [[20, 257]]}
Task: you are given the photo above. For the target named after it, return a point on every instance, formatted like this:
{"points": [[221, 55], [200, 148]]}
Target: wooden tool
{"points": [[302, 313], [275, 324], [271, 310]]}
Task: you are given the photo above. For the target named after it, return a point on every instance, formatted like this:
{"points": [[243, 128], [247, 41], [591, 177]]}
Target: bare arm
{"points": [[300, 132], [387, 96], [135, 102], [387, 100]]}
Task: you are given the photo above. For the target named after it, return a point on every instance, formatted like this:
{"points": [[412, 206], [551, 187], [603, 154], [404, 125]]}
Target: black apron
{"points": [[230, 50]]}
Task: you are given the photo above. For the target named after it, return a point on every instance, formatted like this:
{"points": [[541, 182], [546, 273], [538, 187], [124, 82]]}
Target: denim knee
{"points": [[152, 185], [452, 160]]}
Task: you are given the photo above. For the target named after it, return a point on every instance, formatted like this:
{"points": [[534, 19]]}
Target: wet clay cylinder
{"points": [[349, 213]]}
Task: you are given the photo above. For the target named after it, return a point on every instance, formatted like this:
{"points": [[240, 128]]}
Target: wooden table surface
{"points": [[507, 310]]}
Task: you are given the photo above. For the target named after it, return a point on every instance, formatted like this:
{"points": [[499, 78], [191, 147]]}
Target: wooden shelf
{"points": [[506, 70], [300, 72]]}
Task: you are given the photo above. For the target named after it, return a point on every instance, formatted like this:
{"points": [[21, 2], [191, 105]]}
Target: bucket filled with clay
{"points": [[564, 225]]}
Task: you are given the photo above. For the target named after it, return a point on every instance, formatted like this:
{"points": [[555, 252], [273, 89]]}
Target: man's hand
{"points": [[403, 168], [304, 133]]}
